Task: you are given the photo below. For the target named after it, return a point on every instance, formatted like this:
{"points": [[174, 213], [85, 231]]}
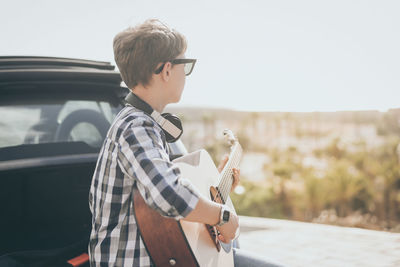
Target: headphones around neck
{"points": [[169, 123]]}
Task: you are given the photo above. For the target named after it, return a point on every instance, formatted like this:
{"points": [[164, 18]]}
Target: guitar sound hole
{"points": [[216, 195]]}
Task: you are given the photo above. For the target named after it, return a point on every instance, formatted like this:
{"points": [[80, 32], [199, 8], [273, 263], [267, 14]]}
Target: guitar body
{"points": [[182, 243], [199, 168]]}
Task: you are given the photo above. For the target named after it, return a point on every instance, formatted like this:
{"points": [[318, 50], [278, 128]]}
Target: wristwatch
{"points": [[224, 215]]}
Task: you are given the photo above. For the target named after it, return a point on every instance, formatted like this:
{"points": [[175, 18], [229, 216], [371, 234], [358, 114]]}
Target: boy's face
{"points": [[177, 81]]}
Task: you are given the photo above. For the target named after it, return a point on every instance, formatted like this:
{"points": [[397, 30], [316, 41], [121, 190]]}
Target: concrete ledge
{"points": [[293, 243]]}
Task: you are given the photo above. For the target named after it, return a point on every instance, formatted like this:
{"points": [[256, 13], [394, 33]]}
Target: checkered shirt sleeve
{"points": [[134, 153]]}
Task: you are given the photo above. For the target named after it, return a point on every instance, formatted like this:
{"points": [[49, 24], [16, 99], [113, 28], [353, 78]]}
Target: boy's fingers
{"points": [[221, 238], [236, 178]]}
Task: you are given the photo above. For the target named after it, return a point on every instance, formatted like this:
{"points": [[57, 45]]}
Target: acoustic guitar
{"points": [[182, 243]]}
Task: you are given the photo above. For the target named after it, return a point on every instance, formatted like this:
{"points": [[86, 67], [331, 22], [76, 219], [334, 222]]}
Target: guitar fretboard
{"points": [[226, 181]]}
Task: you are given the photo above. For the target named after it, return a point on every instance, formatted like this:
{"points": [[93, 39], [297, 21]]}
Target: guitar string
{"points": [[222, 183], [223, 178], [227, 179], [230, 177], [236, 164]]}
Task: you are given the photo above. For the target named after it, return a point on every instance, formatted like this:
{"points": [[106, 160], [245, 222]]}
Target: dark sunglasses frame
{"points": [[178, 61]]}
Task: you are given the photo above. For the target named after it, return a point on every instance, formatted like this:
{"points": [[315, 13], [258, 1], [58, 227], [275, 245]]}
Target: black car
{"points": [[54, 116]]}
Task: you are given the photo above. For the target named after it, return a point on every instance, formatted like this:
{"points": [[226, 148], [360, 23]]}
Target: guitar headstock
{"points": [[230, 137]]}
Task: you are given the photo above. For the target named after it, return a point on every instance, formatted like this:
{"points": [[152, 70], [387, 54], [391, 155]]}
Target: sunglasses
{"points": [[189, 65]]}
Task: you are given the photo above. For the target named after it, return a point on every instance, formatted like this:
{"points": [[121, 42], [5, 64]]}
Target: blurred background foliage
{"points": [[339, 168]]}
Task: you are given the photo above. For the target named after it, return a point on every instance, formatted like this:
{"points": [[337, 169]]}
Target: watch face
{"points": [[225, 216]]}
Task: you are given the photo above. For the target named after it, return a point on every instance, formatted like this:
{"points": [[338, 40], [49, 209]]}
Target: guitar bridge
{"points": [[216, 196], [212, 230]]}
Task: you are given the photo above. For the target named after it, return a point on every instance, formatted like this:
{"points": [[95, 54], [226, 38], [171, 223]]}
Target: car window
{"points": [[99, 106], [67, 121], [15, 122]]}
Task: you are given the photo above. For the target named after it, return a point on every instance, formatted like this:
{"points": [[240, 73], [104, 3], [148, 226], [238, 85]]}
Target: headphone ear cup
{"points": [[175, 121]]}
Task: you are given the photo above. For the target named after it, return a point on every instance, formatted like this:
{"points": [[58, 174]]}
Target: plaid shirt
{"points": [[133, 153]]}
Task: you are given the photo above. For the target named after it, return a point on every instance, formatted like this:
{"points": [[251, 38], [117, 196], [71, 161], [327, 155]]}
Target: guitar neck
{"points": [[226, 181]]}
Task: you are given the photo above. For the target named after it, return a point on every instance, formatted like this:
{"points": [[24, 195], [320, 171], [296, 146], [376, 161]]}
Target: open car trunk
{"points": [[45, 213]]}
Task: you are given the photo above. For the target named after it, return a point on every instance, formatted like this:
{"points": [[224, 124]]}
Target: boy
{"points": [[151, 60]]}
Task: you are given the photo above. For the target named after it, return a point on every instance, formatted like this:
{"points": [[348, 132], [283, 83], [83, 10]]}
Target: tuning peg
{"points": [[229, 137]]}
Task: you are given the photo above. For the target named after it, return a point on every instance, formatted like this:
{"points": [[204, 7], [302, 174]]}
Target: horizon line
{"points": [[278, 111]]}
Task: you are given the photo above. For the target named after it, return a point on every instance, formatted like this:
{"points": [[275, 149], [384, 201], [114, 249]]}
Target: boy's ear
{"points": [[166, 72]]}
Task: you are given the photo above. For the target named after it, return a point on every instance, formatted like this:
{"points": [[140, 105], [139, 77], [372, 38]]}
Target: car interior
{"points": [[48, 151]]}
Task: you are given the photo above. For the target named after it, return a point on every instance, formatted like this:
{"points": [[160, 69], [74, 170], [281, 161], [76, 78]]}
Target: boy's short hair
{"points": [[138, 50]]}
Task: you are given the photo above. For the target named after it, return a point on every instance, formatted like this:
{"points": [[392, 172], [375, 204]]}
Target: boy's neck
{"points": [[151, 96]]}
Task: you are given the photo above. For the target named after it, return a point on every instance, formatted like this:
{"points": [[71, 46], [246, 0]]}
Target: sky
{"points": [[254, 55]]}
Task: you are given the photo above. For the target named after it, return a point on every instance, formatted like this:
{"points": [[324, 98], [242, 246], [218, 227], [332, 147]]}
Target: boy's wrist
{"points": [[224, 215]]}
